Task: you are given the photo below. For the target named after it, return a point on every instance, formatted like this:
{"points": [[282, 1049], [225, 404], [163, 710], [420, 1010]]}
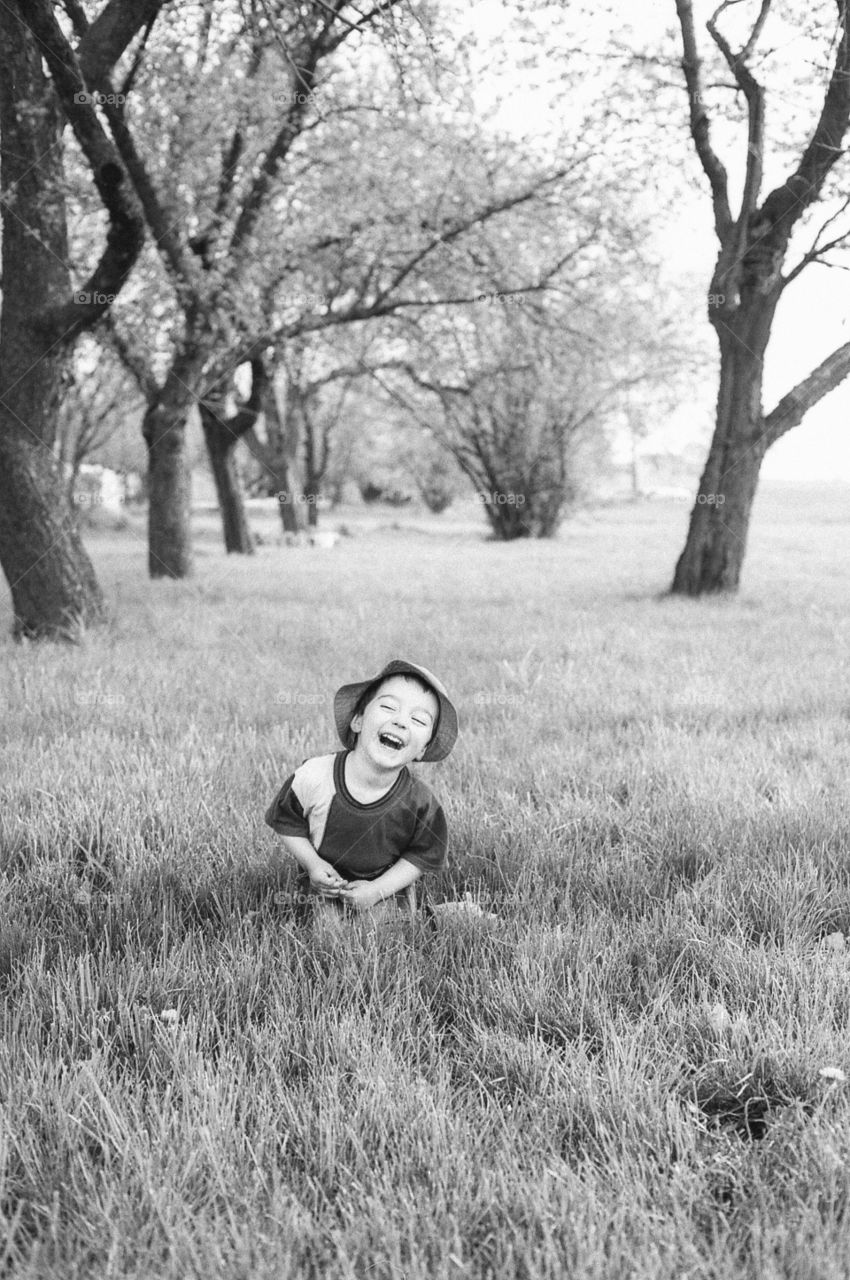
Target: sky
{"points": [[812, 319]]}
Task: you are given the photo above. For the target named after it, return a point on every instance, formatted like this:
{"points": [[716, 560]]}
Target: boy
{"points": [[361, 827]]}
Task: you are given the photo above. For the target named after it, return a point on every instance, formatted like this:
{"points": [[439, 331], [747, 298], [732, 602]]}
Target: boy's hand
{"points": [[326, 880], [361, 894]]}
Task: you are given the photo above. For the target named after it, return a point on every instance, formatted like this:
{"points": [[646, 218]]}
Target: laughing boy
{"points": [[360, 825]]}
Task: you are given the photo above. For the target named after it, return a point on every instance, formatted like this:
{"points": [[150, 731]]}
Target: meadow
{"points": [[629, 1062]]}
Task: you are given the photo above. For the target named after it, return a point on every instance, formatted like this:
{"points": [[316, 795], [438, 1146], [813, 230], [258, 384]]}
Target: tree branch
{"points": [[794, 406], [126, 232], [475, 219], [132, 358], [304, 64], [788, 202], [238, 424], [700, 124], [754, 94], [818, 250], [110, 33]]}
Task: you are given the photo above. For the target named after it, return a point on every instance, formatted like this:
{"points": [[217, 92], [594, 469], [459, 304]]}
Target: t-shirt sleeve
{"points": [[286, 813], [429, 847]]}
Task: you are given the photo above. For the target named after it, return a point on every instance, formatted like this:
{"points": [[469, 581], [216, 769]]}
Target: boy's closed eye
{"points": [[417, 719]]}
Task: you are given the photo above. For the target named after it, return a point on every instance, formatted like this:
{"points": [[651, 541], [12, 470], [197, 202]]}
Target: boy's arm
{"points": [[321, 873], [367, 893]]}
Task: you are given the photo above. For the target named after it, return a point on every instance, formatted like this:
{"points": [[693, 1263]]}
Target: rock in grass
{"points": [[466, 907], [719, 1019]]}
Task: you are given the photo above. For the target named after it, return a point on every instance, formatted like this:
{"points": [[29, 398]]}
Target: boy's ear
{"points": [[356, 724]]}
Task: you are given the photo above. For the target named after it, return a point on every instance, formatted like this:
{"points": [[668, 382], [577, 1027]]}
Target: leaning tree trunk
{"points": [[714, 550], [221, 450], [53, 585], [222, 433]]}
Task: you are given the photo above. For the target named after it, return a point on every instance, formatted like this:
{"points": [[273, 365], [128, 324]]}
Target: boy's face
{"points": [[397, 723]]}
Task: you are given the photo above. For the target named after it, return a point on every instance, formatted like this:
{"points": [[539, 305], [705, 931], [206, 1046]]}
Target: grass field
{"points": [[616, 1071]]}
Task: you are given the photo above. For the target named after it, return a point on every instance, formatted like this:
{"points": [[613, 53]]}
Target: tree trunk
{"points": [[507, 519], [221, 446], [714, 551], [282, 435], [169, 489], [277, 455], [169, 477], [53, 585], [286, 502], [222, 432]]}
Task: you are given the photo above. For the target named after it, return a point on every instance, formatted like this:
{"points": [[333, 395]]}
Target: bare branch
{"points": [[754, 94], [458, 228], [749, 47], [818, 249], [787, 203], [700, 124], [794, 406]]}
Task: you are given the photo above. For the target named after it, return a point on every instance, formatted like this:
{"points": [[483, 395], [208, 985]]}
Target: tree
{"points": [[376, 256], [748, 279], [208, 225], [518, 385], [53, 585], [329, 224]]}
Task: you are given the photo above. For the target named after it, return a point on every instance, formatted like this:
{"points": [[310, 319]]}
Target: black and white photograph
{"points": [[424, 640]]}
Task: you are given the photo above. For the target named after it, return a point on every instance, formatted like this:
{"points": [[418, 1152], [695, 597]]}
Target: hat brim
{"points": [[445, 735]]}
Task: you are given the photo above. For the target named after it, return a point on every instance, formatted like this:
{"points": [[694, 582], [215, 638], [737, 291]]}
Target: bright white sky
{"points": [[813, 317]]}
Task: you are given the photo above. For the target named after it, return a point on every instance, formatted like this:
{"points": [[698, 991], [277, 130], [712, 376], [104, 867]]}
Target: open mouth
{"points": [[390, 740]]}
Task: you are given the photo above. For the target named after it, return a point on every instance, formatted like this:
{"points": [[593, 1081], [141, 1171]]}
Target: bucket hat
{"points": [[445, 732]]}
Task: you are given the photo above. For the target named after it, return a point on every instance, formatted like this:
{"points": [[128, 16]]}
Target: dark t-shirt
{"points": [[360, 840]]}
